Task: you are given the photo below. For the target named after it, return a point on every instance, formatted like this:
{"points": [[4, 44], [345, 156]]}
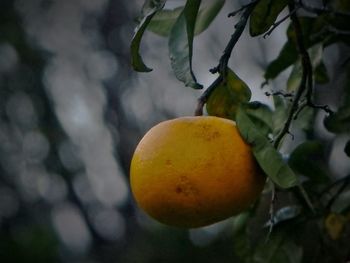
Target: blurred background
{"points": [[71, 113]]}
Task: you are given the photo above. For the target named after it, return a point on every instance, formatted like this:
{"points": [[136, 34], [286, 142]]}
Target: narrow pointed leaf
{"points": [[149, 9], [227, 96], [264, 15], [309, 159], [181, 44], [269, 159]]}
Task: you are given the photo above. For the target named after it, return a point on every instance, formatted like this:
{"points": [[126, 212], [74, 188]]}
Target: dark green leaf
{"points": [[313, 31], [148, 11], [294, 78], [287, 56], [163, 21], [315, 53], [181, 44], [306, 119], [279, 115], [227, 96], [342, 203], [269, 159], [279, 249], [284, 214], [321, 74], [261, 116], [347, 149], [240, 222], [340, 22], [309, 160], [264, 15], [340, 121]]}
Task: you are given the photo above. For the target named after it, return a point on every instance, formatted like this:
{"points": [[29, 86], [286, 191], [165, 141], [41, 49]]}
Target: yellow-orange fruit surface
{"points": [[194, 171]]}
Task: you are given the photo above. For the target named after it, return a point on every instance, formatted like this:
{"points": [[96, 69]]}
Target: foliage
{"points": [[301, 178]]}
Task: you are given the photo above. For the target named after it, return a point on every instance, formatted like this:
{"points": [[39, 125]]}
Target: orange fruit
{"points": [[194, 171]]}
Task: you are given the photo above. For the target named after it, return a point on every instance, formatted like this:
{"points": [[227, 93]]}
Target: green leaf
{"points": [[207, 14], [262, 116], [309, 159], [280, 114], [264, 15], [164, 20], [279, 249], [181, 44], [269, 159], [313, 31], [321, 74], [284, 214], [340, 22], [149, 9], [240, 222], [306, 119], [294, 79], [340, 121], [227, 96], [287, 56]]}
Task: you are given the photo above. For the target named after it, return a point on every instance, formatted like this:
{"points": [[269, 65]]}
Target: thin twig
{"points": [[241, 8], [276, 24], [222, 66], [279, 93], [306, 82], [272, 211]]}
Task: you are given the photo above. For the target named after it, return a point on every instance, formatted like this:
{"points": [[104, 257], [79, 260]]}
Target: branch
{"points": [[222, 67], [205, 95], [276, 24], [306, 79], [279, 93], [242, 8]]}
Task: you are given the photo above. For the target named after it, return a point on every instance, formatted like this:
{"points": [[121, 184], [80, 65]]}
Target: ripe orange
{"points": [[194, 171]]}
